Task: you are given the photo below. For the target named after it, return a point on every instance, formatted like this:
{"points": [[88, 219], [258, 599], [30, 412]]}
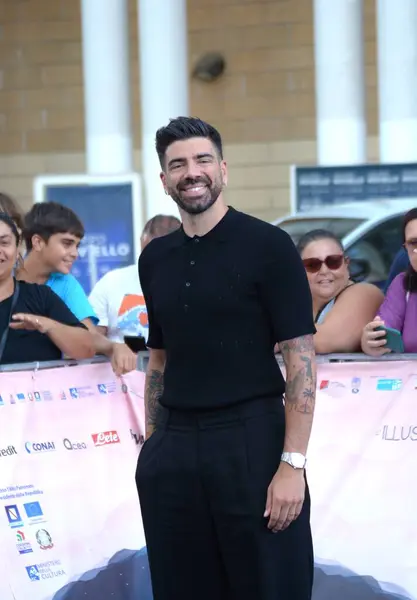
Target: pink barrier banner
{"points": [[362, 464], [70, 523]]}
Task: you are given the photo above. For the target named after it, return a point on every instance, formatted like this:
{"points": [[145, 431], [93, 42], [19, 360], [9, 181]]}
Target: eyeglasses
{"points": [[332, 262], [410, 245]]}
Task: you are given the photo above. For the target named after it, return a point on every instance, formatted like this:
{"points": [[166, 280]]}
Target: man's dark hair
{"points": [[48, 218], [315, 236], [184, 128], [410, 279], [161, 225]]}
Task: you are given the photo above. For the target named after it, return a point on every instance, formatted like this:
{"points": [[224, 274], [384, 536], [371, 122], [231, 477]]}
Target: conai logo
{"points": [[39, 447]]}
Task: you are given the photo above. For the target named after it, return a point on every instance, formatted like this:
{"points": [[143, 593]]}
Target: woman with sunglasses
{"points": [[341, 307], [399, 308]]}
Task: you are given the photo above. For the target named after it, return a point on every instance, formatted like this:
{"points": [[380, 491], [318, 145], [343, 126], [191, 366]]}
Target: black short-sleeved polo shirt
{"points": [[217, 304]]}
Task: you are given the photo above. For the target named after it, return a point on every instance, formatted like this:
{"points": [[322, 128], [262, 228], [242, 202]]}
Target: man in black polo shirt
{"points": [[221, 480]]}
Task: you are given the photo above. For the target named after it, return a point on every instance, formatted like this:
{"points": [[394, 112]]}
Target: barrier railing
{"points": [[70, 524]]}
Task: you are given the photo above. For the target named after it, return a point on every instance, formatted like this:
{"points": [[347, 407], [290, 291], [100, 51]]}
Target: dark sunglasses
{"points": [[332, 262]]}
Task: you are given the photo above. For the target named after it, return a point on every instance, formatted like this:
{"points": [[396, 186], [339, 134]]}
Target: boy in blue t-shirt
{"points": [[52, 234]]}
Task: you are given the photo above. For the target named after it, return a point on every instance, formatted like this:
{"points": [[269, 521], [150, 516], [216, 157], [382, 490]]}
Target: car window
{"points": [[340, 226], [378, 248]]}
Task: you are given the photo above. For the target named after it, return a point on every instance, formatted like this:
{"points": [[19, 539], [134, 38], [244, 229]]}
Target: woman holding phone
{"points": [[399, 308], [341, 307]]}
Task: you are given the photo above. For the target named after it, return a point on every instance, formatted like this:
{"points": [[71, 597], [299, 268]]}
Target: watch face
{"points": [[298, 460]]}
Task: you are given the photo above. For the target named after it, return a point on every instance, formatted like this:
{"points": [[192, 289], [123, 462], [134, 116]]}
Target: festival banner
{"points": [[70, 523]]}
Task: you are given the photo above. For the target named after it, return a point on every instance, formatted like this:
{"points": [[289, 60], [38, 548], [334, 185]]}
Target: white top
{"points": [[119, 304]]}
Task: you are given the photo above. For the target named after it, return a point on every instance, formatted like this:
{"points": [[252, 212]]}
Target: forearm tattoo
{"points": [[299, 358], [153, 393]]}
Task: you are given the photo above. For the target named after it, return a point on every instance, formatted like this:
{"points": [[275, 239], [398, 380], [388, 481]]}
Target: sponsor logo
{"points": [[389, 385], [45, 570], [30, 396], [37, 396], [9, 451], [62, 395], [32, 447], [22, 545], [13, 516], [1, 401], [74, 445], [105, 437], [21, 397], [34, 512], [44, 539], [81, 392], [107, 388], [356, 385], [139, 439], [47, 395], [12, 399], [335, 389]]}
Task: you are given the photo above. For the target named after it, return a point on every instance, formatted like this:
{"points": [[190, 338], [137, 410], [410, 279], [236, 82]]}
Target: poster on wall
{"points": [[314, 187], [111, 212]]}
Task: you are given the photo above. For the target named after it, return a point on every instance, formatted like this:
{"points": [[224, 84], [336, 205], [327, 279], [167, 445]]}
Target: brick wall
{"points": [[263, 105]]}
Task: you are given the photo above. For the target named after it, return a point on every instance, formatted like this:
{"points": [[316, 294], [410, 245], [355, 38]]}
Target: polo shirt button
{"points": [[192, 262], [188, 284], [185, 307], [196, 239]]}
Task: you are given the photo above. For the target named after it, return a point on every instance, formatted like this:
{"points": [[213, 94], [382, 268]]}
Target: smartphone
{"points": [[394, 339], [136, 343]]}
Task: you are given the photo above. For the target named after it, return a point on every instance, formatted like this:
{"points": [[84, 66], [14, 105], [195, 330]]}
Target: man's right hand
{"points": [[374, 342]]}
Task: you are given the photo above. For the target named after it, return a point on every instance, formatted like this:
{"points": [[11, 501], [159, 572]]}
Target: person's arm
{"points": [[154, 383], [154, 387], [59, 324], [391, 313], [343, 326], [286, 296], [74, 342], [122, 359]]}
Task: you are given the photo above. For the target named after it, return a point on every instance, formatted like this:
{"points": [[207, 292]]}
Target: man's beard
{"points": [[196, 205]]}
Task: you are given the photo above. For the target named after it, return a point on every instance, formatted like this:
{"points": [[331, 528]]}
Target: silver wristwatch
{"points": [[294, 459]]}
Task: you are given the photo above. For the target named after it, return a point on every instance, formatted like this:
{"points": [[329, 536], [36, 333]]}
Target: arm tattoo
{"points": [[299, 358], [154, 389]]}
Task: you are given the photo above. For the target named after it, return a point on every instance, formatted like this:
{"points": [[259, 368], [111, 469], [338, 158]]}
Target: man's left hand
{"points": [[123, 360], [285, 497]]}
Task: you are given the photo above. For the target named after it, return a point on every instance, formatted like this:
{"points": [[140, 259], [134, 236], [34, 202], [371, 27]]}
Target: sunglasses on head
{"points": [[332, 262]]}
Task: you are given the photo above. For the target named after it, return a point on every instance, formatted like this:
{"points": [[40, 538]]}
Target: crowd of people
{"points": [[46, 314]]}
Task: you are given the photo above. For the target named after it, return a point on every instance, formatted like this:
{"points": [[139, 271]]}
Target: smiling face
{"points": [[194, 174], [59, 252], [8, 251], [326, 283]]}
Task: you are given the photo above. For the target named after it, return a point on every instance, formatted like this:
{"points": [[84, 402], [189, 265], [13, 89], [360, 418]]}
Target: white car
{"points": [[371, 232]]}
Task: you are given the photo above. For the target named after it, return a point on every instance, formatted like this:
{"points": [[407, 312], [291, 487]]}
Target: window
{"points": [[378, 248]]}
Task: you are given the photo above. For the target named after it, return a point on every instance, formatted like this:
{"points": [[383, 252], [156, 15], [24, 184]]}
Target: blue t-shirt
{"points": [[71, 292]]}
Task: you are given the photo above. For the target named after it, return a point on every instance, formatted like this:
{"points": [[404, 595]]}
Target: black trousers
{"points": [[202, 479]]}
